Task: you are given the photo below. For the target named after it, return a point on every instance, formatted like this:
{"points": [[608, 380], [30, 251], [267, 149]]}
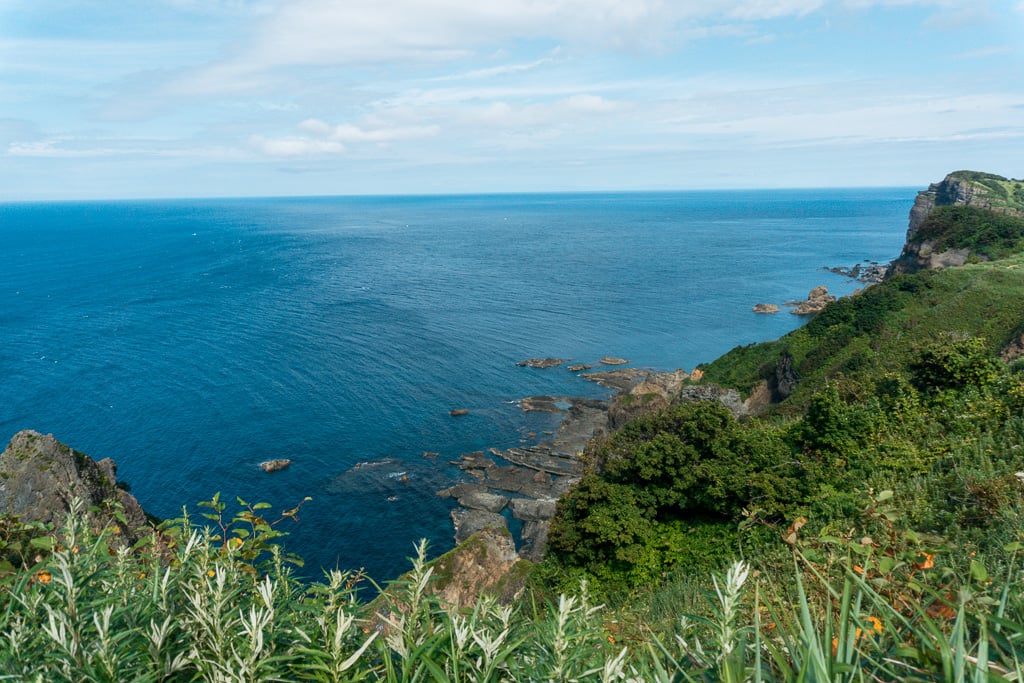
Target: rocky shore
{"points": [[516, 490]]}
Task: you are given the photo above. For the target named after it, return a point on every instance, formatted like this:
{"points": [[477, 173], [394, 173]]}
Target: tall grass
{"points": [[199, 610]]}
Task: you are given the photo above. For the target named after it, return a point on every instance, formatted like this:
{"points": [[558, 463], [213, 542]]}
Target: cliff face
{"points": [[960, 188], [40, 477]]}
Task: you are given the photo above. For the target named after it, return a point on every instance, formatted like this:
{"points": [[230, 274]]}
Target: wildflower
{"points": [[211, 573], [927, 563], [44, 576]]}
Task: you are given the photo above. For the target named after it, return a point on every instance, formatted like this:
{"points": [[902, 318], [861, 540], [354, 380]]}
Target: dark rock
{"points": [[785, 379], [535, 540], [469, 522], [458, 412], [579, 367], [40, 477], [275, 465], [617, 380], [540, 363], [765, 308], [474, 461], [430, 455]]}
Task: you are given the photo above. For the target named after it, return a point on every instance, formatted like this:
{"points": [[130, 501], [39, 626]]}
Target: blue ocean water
{"points": [[191, 339]]}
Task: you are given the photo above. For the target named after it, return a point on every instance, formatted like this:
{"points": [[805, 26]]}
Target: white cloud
{"points": [[73, 148], [295, 146]]}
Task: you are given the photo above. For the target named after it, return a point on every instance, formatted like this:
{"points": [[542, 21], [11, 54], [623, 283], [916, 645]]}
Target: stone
{"points": [[579, 367], [458, 412], [540, 363], [766, 308], [532, 510], [275, 465], [488, 502], [469, 522], [611, 360], [816, 301], [40, 477]]}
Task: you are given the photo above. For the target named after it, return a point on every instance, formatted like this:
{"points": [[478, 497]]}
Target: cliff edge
{"points": [[992, 200], [40, 477]]}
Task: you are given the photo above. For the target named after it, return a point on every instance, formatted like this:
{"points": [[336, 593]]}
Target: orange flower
{"points": [[211, 573], [44, 576], [927, 563]]}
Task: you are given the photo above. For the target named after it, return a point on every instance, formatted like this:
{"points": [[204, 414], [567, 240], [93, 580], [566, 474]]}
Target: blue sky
{"points": [[191, 98]]}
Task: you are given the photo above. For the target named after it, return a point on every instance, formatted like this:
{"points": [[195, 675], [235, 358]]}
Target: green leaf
{"points": [[978, 571], [1013, 547], [261, 506], [43, 542], [886, 565], [883, 496]]}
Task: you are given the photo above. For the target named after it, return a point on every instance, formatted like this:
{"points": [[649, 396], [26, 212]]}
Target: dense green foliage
{"points": [[985, 233]]}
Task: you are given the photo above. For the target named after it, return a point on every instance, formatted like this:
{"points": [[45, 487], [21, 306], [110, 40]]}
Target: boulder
{"points": [[765, 308], [579, 367], [275, 465], [40, 477], [611, 360], [816, 301]]}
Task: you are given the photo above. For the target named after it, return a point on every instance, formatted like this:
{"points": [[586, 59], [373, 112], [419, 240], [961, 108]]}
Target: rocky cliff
{"points": [[961, 188], [40, 477]]}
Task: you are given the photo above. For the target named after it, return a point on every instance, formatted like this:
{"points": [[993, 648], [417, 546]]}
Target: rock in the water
{"points": [[543, 404], [430, 455], [468, 522], [579, 367], [532, 510], [611, 360], [540, 363], [817, 299], [488, 502], [275, 465], [765, 308], [39, 477], [458, 412]]}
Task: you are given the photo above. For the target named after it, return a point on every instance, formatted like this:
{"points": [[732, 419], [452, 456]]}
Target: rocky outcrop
{"points": [[817, 300], [960, 188], [611, 360], [540, 363], [40, 477], [765, 308], [484, 564]]}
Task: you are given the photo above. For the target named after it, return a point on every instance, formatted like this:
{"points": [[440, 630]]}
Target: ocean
{"points": [[192, 339]]}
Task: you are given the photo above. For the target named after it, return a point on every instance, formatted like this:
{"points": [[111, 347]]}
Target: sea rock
{"points": [[468, 522], [618, 380], [275, 465], [458, 412], [611, 360], [39, 478], [532, 510], [543, 404], [461, 490], [816, 301], [579, 367], [540, 363], [430, 455], [765, 308], [488, 502]]}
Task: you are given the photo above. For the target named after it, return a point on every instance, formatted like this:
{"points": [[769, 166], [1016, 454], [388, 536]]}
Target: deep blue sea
{"points": [[191, 339]]}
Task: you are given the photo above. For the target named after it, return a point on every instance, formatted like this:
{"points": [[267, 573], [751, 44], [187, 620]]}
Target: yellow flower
{"points": [[211, 573], [44, 576]]}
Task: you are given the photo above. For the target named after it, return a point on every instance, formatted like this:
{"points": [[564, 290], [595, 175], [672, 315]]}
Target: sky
{"points": [[213, 98]]}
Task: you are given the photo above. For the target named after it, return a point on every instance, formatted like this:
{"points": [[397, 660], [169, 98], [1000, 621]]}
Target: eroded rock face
{"points": [[817, 300], [486, 563], [40, 477]]}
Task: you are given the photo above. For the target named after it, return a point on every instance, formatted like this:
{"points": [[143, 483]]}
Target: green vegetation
{"points": [[1008, 192], [985, 233], [867, 526]]}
